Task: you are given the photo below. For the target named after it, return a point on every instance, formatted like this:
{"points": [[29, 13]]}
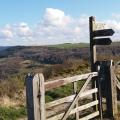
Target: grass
{"points": [[10, 113], [62, 91], [70, 45]]}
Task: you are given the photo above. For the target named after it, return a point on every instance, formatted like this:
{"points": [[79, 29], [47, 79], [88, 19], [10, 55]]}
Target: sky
{"points": [[41, 22]]}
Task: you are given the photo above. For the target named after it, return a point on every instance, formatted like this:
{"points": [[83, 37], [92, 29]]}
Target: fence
{"points": [[105, 82], [40, 107]]}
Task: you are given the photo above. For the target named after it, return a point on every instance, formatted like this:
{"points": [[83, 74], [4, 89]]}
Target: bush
{"points": [[12, 86], [12, 113]]}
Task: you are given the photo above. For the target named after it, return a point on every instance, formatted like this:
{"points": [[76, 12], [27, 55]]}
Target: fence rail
{"points": [[57, 83]]}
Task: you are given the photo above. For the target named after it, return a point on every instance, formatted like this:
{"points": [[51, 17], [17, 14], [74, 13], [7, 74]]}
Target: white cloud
{"points": [[116, 16], [56, 17], [55, 27], [23, 30], [6, 33]]}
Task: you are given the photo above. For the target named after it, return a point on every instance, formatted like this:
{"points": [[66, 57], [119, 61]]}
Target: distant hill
{"points": [[55, 54], [3, 47], [70, 45]]}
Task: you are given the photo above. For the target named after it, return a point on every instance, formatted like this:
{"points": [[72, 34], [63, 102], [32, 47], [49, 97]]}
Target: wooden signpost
{"points": [[98, 37], [104, 32], [102, 41]]}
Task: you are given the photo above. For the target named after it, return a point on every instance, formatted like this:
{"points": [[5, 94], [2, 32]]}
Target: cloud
{"points": [[56, 17], [116, 16], [55, 27], [6, 33], [23, 30]]}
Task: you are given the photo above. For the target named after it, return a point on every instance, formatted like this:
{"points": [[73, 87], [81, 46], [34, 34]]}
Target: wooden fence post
{"points": [[35, 93], [39, 97], [75, 92], [29, 96], [111, 90]]}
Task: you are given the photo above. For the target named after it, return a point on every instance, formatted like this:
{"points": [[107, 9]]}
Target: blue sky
{"points": [[30, 22]]}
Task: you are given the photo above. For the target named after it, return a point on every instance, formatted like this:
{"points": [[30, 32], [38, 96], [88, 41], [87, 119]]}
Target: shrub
{"points": [[11, 113]]}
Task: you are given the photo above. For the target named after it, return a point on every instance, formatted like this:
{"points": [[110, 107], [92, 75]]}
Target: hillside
{"points": [[55, 61], [3, 47], [57, 54]]}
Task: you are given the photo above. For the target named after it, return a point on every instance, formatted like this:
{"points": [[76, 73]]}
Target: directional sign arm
{"points": [[104, 32], [102, 41]]}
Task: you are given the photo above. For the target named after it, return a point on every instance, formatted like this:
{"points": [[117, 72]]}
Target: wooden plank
{"points": [[60, 101], [102, 41], [57, 83], [76, 98], [56, 117], [42, 97], [118, 83], [92, 115], [114, 91], [99, 95], [39, 97], [84, 107], [70, 98], [98, 26], [73, 111], [75, 92], [103, 32], [35, 98]]}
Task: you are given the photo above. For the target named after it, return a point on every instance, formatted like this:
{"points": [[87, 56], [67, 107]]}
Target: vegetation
{"points": [[70, 45], [12, 113], [54, 62]]}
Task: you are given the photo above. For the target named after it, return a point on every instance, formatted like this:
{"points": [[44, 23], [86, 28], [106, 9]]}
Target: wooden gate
{"points": [[41, 109]]}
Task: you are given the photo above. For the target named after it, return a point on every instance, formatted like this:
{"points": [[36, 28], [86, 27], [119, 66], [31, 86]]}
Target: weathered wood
{"points": [[73, 111], [70, 98], [93, 56], [118, 83], [76, 98], [88, 117], [102, 41], [29, 97], [35, 97], [39, 97], [84, 107], [42, 97], [98, 26], [57, 83], [99, 96], [111, 95], [57, 117], [75, 92], [103, 32]]}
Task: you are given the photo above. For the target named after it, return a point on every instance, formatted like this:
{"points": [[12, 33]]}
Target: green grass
{"points": [[70, 45], [10, 113], [62, 91]]}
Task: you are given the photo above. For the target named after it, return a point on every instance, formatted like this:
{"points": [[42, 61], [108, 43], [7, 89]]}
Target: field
{"points": [[54, 61]]}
